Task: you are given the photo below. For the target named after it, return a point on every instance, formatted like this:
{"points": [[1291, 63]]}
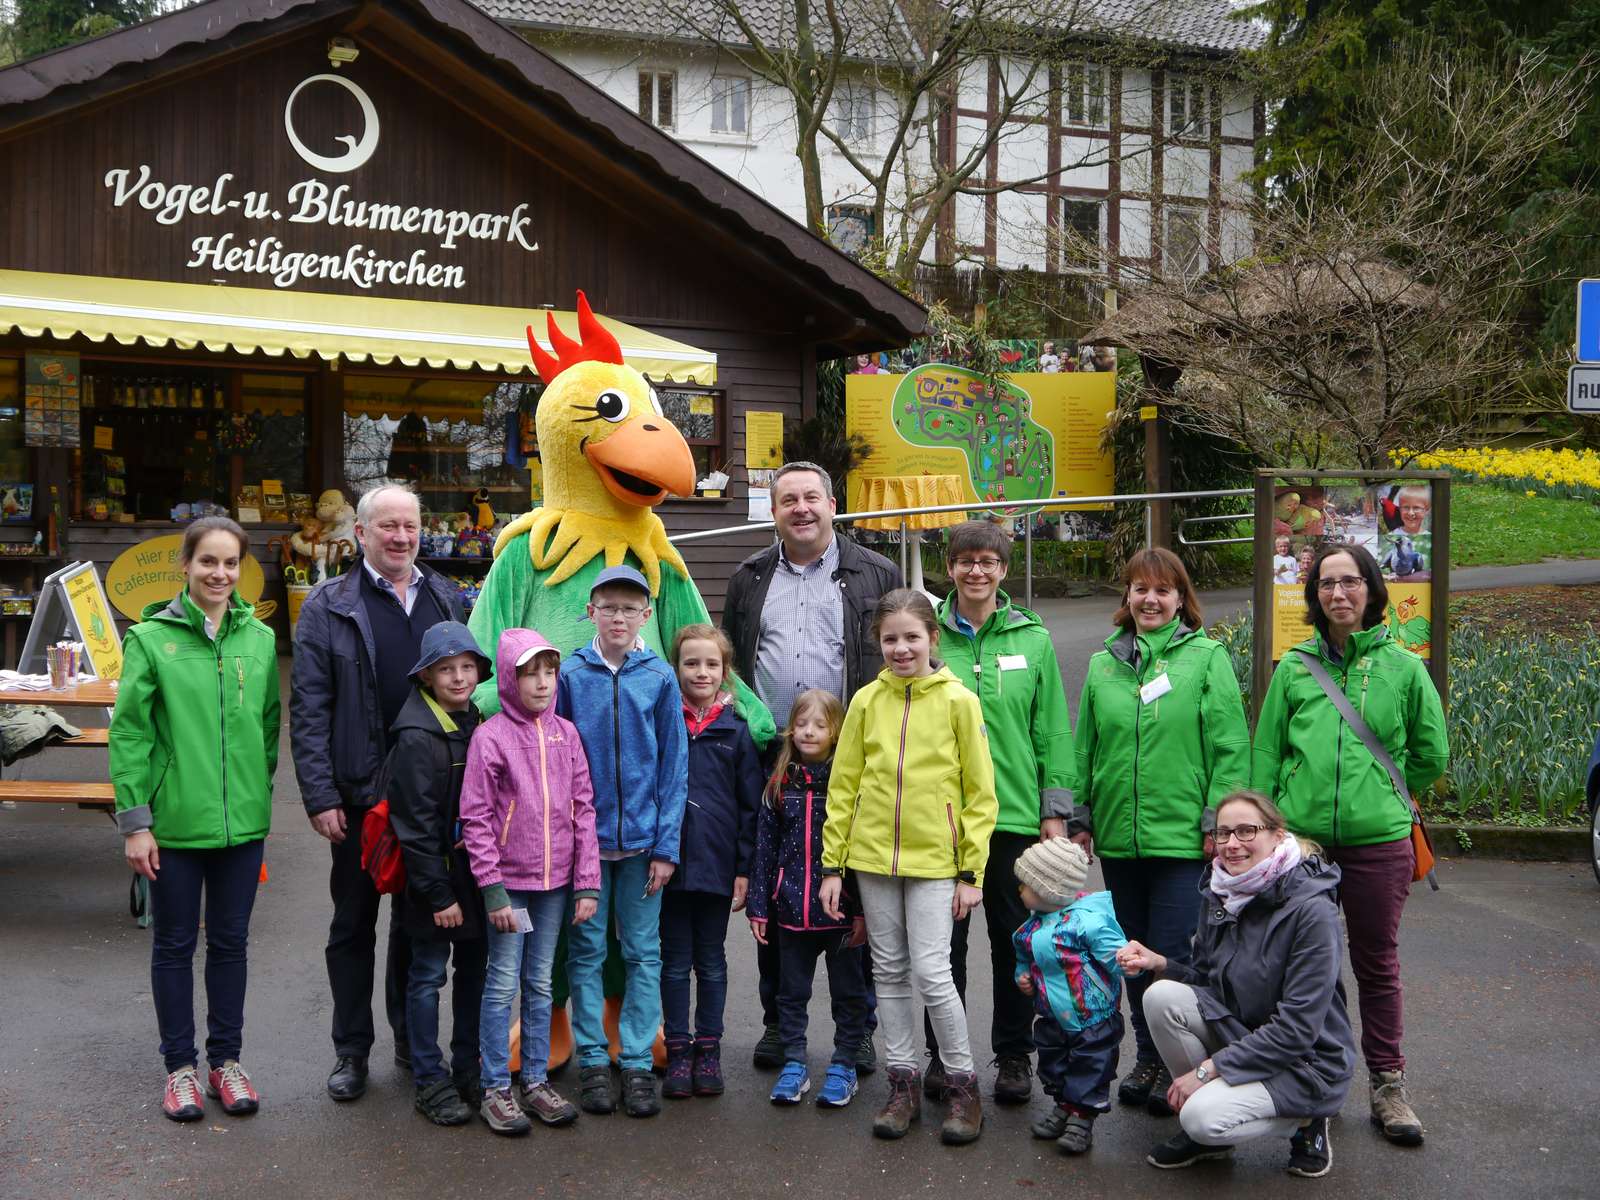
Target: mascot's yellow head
{"points": [[609, 456]]}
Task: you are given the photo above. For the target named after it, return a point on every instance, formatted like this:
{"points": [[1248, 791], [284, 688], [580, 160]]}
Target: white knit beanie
{"points": [[1056, 869]]}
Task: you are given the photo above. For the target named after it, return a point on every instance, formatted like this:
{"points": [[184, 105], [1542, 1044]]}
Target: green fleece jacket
{"points": [[1150, 773], [194, 736], [1011, 665], [1314, 767]]}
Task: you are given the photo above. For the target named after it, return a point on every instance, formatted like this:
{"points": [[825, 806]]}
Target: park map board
{"points": [[1035, 437]]}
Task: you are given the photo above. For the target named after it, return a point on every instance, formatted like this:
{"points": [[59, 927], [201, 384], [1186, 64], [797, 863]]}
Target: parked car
{"points": [[1594, 808]]}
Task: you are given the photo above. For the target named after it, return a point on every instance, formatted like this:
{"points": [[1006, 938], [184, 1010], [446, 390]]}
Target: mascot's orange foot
{"points": [[613, 1027]]}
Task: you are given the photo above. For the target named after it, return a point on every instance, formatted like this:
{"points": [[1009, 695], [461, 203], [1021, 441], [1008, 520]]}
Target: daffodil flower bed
{"points": [[1563, 474]]}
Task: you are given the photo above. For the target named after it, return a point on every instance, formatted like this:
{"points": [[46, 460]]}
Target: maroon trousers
{"points": [[1375, 881]]}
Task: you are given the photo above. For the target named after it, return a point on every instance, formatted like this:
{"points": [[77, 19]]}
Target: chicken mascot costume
{"points": [[609, 457]]}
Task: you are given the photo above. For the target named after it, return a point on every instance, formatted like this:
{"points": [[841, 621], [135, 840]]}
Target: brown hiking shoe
{"points": [[500, 1112], [964, 1122], [904, 1104], [1013, 1082], [1391, 1108], [543, 1101]]}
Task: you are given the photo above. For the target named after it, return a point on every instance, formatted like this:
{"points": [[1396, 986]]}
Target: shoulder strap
{"points": [[1352, 718]]}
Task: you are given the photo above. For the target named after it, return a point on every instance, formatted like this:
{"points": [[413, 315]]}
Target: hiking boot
{"points": [[792, 1084], [1391, 1108], [470, 1089], [1157, 1105], [903, 1106], [231, 1085], [1181, 1150], [182, 1100], [1013, 1083], [935, 1083], [1052, 1124], [708, 1067], [442, 1104], [501, 1113], [594, 1091], [679, 1081], [349, 1078], [866, 1056], [1078, 1136], [769, 1050], [1311, 1150], [964, 1121], [1135, 1086], [839, 1087], [639, 1093], [550, 1106]]}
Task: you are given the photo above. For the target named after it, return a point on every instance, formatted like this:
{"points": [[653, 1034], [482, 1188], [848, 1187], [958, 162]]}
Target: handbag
{"points": [[1421, 844]]}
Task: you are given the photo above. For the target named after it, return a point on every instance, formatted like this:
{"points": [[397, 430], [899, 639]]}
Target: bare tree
{"points": [[1382, 307]]}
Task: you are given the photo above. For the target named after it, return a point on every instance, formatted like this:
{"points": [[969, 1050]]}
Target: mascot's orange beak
{"points": [[642, 461]]}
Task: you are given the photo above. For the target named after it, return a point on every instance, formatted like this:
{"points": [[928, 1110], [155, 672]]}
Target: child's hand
{"points": [[966, 899], [585, 908], [1135, 959], [1025, 984], [660, 872], [503, 919], [858, 932], [758, 929], [741, 886], [829, 891], [449, 918]]}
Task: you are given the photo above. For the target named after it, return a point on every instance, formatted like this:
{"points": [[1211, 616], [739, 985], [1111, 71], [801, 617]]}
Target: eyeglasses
{"points": [[987, 565], [1245, 833], [1346, 583], [619, 610]]}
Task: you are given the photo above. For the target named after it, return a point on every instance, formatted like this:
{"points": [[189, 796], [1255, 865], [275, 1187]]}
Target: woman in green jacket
{"points": [[1331, 788], [1161, 740], [193, 745]]}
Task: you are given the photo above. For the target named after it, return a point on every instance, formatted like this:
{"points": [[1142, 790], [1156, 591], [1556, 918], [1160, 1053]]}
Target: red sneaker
{"points": [[182, 1101], [231, 1085]]}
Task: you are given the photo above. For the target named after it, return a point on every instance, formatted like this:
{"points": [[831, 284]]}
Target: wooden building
{"points": [[296, 242]]}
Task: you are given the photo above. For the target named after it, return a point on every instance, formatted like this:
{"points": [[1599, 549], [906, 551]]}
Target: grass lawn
{"points": [[1491, 526]]}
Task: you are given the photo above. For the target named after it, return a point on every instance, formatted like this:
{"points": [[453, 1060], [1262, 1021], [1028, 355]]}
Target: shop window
{"points": [[701, 416], [730, 104], [657, 93], [1082, 235], [16, 471], [451, 438], [1086, 95]]}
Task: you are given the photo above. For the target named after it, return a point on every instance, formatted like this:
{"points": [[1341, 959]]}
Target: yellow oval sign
{"points": [[149, 573]]}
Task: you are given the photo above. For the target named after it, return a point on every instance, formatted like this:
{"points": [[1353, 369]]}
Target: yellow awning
{"points": [[358, 329]]}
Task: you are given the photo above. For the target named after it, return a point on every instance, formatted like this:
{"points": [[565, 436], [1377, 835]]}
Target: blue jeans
{"points": [[529, 958], [228, 880], [429, 960], [1157, 901], [694, 928], [638, 921]]}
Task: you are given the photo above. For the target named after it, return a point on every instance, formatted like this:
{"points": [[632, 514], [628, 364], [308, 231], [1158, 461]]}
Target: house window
{"points": [[1082, 235], [730, 104], [701, 416], [1187, 107], [850, 228], [852, 112], [1086, 94], [1185, 242], [657, 90]]}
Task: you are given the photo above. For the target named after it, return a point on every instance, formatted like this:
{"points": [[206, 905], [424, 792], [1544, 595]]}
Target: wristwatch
{"points": [[1202, 1073]]}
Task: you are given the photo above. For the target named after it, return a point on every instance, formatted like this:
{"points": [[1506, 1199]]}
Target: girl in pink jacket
{"points": [[527, 818]]}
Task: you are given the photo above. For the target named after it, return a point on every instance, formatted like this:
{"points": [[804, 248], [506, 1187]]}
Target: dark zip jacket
{"points": [[719, 823], [787, 872], [863, 577], [335, 720]]}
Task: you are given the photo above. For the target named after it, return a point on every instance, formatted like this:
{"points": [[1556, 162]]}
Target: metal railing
{"points": [[1232, 519], [1024, 509]]}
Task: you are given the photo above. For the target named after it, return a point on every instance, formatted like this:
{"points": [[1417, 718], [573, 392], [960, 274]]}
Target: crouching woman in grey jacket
{"points": [[1254, 1029]]}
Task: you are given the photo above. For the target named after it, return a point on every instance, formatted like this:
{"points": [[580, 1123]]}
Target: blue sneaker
{"points": [[793, 1083], [839, 1088]]}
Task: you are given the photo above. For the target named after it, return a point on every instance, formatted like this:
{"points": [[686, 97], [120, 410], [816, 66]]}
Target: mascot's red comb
{"points": [[597, 345]]}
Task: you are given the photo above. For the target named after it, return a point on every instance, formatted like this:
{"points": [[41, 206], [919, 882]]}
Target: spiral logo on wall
{"points": [[358, 150]]}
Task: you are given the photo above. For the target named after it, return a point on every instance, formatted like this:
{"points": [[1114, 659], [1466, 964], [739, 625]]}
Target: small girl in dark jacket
{"points": [[715, 848], [442, 907], [783, 887]]}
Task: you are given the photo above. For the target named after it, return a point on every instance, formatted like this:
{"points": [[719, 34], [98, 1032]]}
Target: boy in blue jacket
{"points": [[1067, 961], [625, 701]]}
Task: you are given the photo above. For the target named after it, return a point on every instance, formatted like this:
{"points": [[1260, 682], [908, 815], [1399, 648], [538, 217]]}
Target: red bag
{"points": [[380, 851]]}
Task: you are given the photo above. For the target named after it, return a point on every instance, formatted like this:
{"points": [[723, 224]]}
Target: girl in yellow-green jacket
{"points": [[911, 807]]}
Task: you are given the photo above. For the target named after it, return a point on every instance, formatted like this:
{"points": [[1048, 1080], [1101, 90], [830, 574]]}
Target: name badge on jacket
{"points": [[1156, 688]]}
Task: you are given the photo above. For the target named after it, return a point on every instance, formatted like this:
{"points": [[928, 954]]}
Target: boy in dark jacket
{"points": [[443, 909]]}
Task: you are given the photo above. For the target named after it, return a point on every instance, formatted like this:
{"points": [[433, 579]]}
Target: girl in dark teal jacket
{"points": [[193, 745]]}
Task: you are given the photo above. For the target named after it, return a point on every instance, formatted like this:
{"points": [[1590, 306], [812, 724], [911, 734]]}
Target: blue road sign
{"points": [[1589, 320]]}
